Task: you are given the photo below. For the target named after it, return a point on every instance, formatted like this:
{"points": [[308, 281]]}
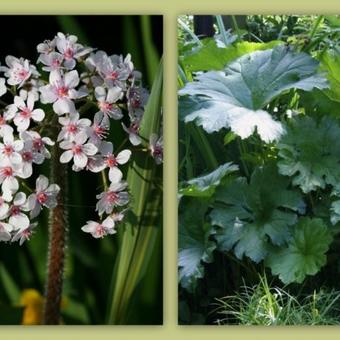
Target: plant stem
{"points": [[190, 32], [241, 150], [236, 28], [57, 239], [221, 28]]}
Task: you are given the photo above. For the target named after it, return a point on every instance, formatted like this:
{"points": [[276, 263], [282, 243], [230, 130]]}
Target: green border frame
{"points": [[170, 9]]}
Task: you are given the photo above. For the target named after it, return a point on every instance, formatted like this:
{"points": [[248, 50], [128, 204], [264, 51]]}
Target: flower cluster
{"points": [[83, 105]]}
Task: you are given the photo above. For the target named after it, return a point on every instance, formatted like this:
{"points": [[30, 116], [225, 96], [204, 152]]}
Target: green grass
{"points": [[273, 306]]}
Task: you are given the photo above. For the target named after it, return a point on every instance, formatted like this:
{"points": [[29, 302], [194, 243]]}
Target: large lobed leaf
{"points": [[253, 217], [310, 152], [236, 97], [195, 246], [204, 186], [305, 254], [330, 62], [210, 56]]}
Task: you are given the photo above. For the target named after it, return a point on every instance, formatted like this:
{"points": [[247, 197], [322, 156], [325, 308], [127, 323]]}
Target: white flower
{"points": [[132, 130], [111, 161], [4, 127], [106, 100], [18, 70], [4, 207], [114, 196], [99, 129], [9, 149], [44, 195], [70, 49], [72, 126], [24, 234], [52, 61], [112, 70], [156, 148], [61, 91], [137, 98], [16, 217], [10, 184], [5, 231], [29, 157], [77, 150], [3, 88], [37, 144], [23, 113], [32, 87], [46, 47], [102, 229]]}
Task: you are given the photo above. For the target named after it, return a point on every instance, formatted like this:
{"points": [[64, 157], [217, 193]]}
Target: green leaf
{"points": [[9, 284], [319, 103], [195, 246], [236, 97], [229, 137], [305, 254], [204, 186], [330, 62], [310, 152], [254, 216], [335, 212], [138, 238], [211, 56]]}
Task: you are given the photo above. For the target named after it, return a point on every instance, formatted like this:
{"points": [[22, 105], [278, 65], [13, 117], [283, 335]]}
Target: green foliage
{"points": [[194, 245], [204, 186], [330, 62], [273, 113], [310, 151], [266, 305], [210, 56], [253, 216], [236, 97], [305, 254]]}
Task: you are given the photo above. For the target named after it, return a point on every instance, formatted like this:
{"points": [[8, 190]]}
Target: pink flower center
{"points": [[135, 102], [21, 73], [113, 75], [100, 131], [2, 120], [158, 151], [72, 128], [41, 198], [62, 91], [55, 63], [111, 197], [15, 210], [68, 54], [25, 112], [111, 161], [27, 156], [100, 230], [77, 149], [105, 106], [8, 150], [26, 234], [134, 127], [7, 171], [37, 143]]}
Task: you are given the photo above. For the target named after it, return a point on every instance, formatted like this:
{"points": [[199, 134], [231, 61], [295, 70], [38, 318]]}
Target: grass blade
{"points": [[138, 238]]}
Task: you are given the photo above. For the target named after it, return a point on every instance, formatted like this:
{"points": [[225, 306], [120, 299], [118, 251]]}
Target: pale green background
{"points": [[170, 9]]}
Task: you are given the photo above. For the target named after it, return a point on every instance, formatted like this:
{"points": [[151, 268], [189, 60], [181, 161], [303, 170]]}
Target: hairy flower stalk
{"points": [[58, 227]]}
